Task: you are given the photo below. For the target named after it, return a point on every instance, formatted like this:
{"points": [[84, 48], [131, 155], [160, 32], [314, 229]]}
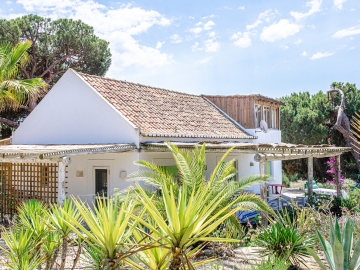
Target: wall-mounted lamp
{"points": [[79, 173], [122, 174], [251, 163]]}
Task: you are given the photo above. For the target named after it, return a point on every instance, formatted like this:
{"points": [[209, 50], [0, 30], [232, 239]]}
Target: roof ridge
{"points": [[149, 86]]}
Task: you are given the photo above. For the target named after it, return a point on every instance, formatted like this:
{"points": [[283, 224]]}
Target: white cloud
{"points": [[283, 29], [196, 30], [212, 34], [204, 60], [159, 44], [319, 55], [242, 40], [209, 25], [339, 3], [208, 17], [284, 47], [254, 25], [200, 26], [351, 31], [175, 39], [298, 41], [211, 45], [242, 7], [118, 26], [8, 2], [266, 15], [315, 6], [304, 53], [196, 47]]}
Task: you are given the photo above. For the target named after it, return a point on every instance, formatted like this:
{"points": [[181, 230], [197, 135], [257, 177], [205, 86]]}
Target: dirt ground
{"points": [[247, 257]]}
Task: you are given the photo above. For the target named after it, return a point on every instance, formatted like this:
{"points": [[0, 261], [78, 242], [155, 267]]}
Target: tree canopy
{"points": [[308, 119], [57, 46]]}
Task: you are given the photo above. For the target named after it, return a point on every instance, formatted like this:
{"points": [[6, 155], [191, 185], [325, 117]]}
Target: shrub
{"points": [[285, 179], [284, 240]]}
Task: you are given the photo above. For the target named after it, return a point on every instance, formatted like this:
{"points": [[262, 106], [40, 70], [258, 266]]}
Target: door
{"points": [[101, 181]]}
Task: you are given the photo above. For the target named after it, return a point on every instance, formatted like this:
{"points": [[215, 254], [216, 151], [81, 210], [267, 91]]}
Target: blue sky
{"points": [[268, 47]]}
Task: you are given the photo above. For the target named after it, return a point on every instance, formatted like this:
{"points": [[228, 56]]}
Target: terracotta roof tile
{"points": [[164, 113]]}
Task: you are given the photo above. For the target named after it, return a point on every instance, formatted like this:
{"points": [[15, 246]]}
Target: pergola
{"points": [[267, 152], [27, 161]]}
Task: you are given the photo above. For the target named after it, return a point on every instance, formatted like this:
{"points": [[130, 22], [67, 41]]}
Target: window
{"points": [[267, 114], [257, 114], [273, 118]]}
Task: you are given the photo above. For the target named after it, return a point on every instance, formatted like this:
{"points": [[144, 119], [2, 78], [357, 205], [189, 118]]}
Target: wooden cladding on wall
{"points": [[242, 108], [24, 181]]}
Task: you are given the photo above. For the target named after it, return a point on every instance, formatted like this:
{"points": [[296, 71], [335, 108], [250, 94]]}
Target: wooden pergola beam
{"points": [[274, 157]]}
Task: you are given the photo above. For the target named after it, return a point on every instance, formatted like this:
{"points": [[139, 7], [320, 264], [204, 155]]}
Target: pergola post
{"points": [[310, 176], [338, 177], [263, 193], [61, 180]]}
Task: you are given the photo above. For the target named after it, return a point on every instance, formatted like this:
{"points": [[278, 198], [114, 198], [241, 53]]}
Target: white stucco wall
{"points": [[84, 187], [73, 113]]}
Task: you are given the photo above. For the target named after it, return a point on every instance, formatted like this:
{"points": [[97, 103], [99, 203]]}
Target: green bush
{"points": [[285, 179], [283, 240]]}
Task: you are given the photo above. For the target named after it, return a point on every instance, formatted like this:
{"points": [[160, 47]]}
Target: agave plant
{"points": [[338, 250], [60, 216], [193, 206], [284, 240]]}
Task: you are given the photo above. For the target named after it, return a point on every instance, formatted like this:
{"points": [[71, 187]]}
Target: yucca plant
{"points": [[21, 249], [33, 216], [50, 248], [60, 216], [106, 230], [338, 250], [193, 206]]}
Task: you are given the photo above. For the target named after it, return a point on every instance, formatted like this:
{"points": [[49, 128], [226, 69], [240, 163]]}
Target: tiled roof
{"points": [[164, 113]]}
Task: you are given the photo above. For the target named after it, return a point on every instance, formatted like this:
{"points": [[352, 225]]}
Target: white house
{"points": [[85, 135]]}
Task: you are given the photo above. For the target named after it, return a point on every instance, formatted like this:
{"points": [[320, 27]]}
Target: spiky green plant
{"points": [[193, 206], [338, 250], [33, 216], [50, 248], [21, 249], [59, 218], [107, 232], [191, 166], [284, 240]]}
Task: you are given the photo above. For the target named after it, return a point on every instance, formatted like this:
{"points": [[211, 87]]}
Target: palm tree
{"points": [[16, 92], [192, 207]]}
